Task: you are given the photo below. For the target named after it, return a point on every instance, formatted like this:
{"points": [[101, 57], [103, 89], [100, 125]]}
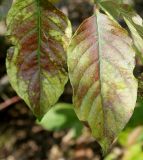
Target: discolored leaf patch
{"points": [[36, 65], [101, 62]]}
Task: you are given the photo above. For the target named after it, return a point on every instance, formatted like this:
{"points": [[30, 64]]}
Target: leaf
{"points": [[135, 24], [135, 122], [132, 19], [54, 1], [61, 116], [4, 7], [101, 62], [36, 65], [115, 9], [133, 152], [137, 118], [130, 2]]}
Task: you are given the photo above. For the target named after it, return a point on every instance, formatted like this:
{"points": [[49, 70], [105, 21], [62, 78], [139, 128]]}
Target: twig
{"points": [[9, 102]]}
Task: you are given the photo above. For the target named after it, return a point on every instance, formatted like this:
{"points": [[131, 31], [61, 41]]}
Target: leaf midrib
{"points": [[38, 31], [100, 66], [39, 48]]}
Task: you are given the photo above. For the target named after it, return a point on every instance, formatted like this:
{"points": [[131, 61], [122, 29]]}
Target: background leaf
{"points": [[4, 8], [101, 62], [62, 116], [132, 19], [36, 65], [135, 122]]}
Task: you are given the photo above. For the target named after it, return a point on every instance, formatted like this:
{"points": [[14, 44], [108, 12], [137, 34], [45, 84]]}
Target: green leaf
{"points": [[115, 9], [132, 19], [36, 65], [130, 2], [101, 62], [135, 24], [61, 116], [4, 8], [134, 152], [54, 1]]}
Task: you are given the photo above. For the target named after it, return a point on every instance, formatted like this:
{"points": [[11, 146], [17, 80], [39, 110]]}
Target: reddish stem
{"points": [[9, 102]]}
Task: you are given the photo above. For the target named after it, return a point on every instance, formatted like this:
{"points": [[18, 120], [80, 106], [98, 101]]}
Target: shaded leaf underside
{"points": [[36, 65], [101, 63]]}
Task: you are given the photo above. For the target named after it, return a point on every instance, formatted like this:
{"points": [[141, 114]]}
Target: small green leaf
{"points": [[36, 65], [101, 62], [61, 116]]}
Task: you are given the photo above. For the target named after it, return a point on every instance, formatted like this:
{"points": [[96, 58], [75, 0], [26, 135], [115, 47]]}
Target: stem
{"points": [[96, 8], [9, 102]]}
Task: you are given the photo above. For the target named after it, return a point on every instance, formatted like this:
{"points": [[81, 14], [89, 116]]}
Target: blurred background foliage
{"points": [[59, 135]]}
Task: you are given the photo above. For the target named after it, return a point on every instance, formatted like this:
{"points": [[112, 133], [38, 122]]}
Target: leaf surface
{"points": [[101, 62], [36, 65]]}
